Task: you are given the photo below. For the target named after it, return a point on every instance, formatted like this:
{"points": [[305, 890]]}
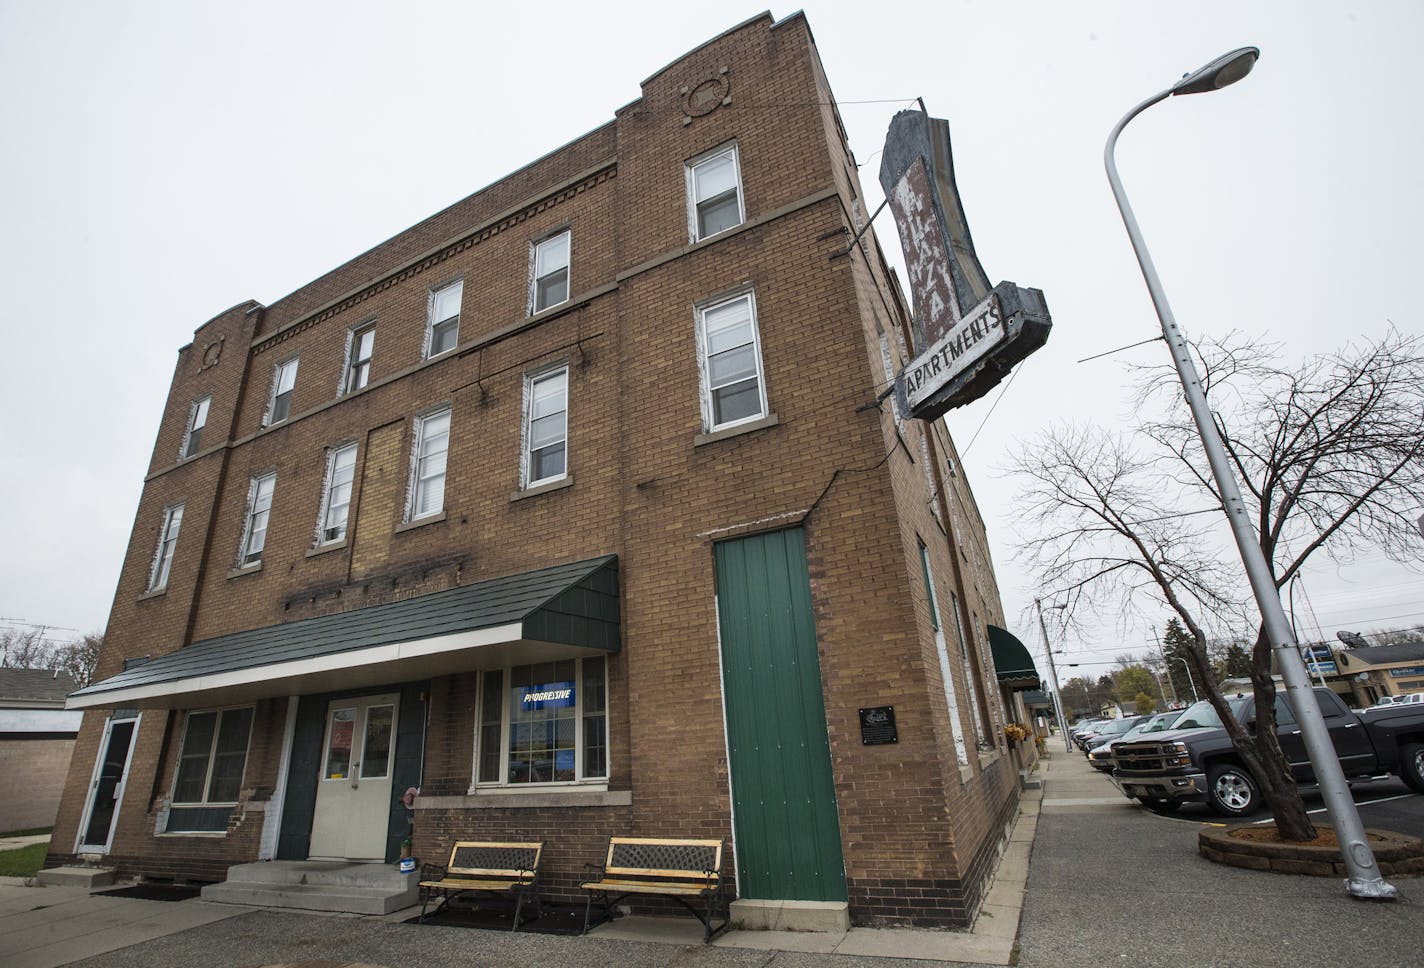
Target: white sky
{"points": [[166, 160]]}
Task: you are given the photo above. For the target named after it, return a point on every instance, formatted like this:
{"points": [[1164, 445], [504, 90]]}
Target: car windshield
{"points": [[1204, 714], [1117, 726]]}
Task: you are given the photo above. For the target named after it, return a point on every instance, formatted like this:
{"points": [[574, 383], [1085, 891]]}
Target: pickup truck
{"points": [[1195, 761]]}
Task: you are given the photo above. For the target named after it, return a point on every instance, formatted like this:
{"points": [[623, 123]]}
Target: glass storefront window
{"points": [[543, 723]]}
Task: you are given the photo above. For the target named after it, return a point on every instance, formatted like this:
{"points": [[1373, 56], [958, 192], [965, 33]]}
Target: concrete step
{"points": [[75, 877], [317, 886]]}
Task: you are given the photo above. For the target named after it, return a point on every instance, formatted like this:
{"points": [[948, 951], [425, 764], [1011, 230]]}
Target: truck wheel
{"points": [[1231, 790], [1411, 766], [1159, 805]]}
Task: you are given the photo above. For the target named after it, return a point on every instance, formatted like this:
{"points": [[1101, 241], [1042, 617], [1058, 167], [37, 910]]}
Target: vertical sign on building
{"points": [[968, 336]]}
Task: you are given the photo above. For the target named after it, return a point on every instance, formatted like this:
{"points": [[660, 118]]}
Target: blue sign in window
{"points": [[551, 695]]}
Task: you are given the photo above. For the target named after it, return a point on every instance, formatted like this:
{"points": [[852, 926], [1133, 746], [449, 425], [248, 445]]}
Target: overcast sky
{"points": [[166, 160]]}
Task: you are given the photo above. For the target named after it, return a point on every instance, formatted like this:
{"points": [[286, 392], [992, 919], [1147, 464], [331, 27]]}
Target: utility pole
{"points": [[1053, 674]]}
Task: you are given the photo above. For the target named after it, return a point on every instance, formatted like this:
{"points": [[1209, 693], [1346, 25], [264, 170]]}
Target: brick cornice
{"points": [[433, 257]]}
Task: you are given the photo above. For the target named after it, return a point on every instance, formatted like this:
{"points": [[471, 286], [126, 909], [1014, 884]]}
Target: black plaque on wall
{"points": [[877, 725]]}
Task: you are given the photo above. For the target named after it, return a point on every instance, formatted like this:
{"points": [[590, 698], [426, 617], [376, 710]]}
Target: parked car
{"points": [[1412, 699], [1088, 728], [1111, 731], [1195, 761], [1102, 756]]}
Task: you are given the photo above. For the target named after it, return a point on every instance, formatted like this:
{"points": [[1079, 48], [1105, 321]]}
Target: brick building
{"points": [[572, 507]]}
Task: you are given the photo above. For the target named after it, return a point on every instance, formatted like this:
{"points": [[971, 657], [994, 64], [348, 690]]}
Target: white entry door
{"points": [[353, 795]]}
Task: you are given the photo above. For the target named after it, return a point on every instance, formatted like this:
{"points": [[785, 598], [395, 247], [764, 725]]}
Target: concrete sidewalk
{"points": [[51, 926]]}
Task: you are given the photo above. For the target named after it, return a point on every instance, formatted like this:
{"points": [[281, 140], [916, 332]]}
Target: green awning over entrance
{"points": [[563, 611], [1011, 660]]}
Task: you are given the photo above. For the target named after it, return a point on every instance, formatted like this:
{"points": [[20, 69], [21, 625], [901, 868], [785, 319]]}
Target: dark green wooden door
{"points": [[784, 802]]}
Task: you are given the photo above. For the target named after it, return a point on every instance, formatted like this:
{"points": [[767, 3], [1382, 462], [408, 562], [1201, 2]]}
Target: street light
{"points": [[1053, 674], [1190, 681], [1364, 880]]}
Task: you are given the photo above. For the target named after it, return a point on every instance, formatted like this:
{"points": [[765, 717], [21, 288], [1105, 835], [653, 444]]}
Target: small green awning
{"points": [[1034, 698], [535, 616], [1011, 660]]}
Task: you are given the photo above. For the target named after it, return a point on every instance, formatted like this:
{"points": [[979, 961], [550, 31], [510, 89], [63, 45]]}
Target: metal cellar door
{"points": [[788, 842]]}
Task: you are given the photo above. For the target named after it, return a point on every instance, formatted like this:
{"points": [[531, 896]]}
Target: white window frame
{"points": [[956, 728], [197, 420], [162, 565], [536, 248], [284, 374], [418, 453], [431, 322], [245, 552], [694, 228], [211, 756], [580, 780], [526, 436], [329, 485], [354, 362], [704, 369]]}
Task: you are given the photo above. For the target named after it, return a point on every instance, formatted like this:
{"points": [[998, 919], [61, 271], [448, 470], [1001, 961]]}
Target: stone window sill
{"points": [[420, 523], [323, 549], [770, 420], [536, 490], [251, 569], [506, 798]]}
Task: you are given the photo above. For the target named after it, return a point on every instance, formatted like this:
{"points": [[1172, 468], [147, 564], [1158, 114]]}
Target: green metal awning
{"points": [[1036, 697], [535, 616], [1012, 661]]}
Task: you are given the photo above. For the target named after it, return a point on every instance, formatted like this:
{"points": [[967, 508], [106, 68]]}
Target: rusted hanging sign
{"points": [[967, 335]]}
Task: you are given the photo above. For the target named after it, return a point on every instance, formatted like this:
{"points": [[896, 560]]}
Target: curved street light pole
{"points": [[1053, 674], [1196, 697], [1365, 880]]}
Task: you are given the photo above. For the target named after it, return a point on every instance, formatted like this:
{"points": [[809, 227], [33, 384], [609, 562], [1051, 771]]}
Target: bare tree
{"points": [[24, 649], [1330, 456], [79, 658]]}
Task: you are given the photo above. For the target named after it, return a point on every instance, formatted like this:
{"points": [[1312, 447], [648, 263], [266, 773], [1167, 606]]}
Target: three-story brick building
{"points": [[572, 507]]}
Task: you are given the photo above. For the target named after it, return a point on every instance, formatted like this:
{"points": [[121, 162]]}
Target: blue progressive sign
{"points": [[551, 695]]}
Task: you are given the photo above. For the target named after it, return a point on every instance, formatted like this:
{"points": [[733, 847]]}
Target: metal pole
{"points": [[1365, 879], [1166, 664], [1196, 697], [1053, 674]]}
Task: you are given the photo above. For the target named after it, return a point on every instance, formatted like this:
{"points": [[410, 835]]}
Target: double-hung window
{"points": [[543, 723], [284, 381], [427, 472], [549, 272], [213, 757], [336, 497], [259, 508], [167, 541], [360, 345], [942, 652], [714, 193], [733, 390], [442, 328], [546, 426], [197, 420]]}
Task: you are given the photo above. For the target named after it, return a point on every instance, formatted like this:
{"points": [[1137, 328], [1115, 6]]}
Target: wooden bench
{"points": [[484, 867], [678, 869]]}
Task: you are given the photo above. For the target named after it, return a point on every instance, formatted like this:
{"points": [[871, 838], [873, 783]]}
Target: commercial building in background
{"points": [[571, 507], [36, 740]]}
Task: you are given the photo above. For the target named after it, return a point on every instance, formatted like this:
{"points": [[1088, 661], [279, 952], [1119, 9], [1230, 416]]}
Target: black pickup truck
{"points": [[1195, 761]]}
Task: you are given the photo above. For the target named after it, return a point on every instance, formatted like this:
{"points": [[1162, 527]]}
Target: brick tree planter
{"points": [[1398, 855]]}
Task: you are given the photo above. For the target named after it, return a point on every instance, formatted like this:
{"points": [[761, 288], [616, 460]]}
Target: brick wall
{"points": [[919, 830]]}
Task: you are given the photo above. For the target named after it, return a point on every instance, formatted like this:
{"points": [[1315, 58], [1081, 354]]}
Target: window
{"points": [[714, 193], [259, 507], [360, 344], [197, 420], [336, 496], [546, 426], [284, 379], [975, 720], [432, 441], [549, 724], [167, 541], [442, 330], [549, 268], [730, 363], [943, 652], [214, 756]]}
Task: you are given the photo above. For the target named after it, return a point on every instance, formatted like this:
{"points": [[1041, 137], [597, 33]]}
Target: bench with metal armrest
{"points": [[510, 869], [677, 869]]}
